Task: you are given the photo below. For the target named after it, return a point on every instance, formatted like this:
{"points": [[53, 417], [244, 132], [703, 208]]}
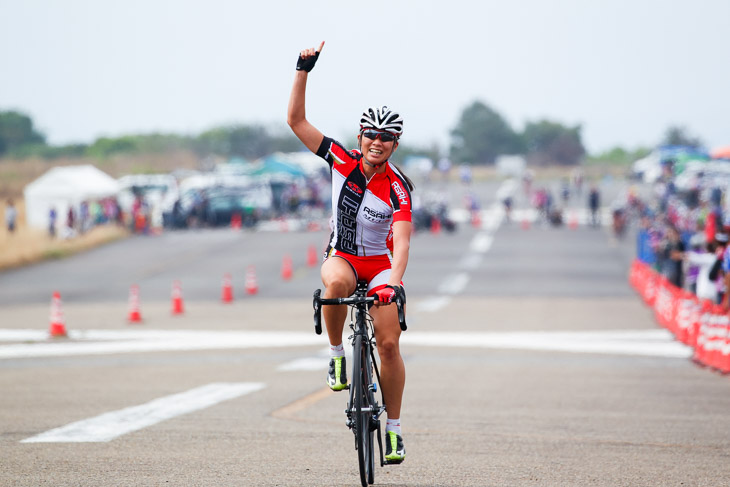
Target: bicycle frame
{"points": [[363, 412]]}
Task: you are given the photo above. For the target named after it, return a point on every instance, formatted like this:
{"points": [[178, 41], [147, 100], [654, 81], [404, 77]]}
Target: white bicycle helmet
{"points": [[382, 118]]}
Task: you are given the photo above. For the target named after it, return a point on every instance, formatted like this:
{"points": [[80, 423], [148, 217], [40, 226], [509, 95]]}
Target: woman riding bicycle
{"points": [[371, 231]]}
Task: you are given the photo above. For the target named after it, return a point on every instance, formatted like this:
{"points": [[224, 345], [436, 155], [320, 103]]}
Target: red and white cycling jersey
{"points": [[363, 211]]}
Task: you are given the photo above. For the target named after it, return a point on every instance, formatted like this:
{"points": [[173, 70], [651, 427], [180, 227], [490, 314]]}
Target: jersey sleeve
{"points": [[335, 153], [400, 198]]}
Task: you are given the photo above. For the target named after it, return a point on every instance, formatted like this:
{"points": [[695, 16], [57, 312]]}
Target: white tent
{"points": [[62, 187]]}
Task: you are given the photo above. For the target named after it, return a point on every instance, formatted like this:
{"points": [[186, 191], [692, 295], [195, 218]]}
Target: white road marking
{"points": [[654, 343], [434, 303], [470, 262], [631, 342], [319, 362], [481, 243], [454, 284], [157, 341], [109, 426]]}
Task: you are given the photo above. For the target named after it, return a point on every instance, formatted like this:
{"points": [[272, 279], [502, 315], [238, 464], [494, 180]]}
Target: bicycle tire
{"points": [[361, 406], [370, 395]]}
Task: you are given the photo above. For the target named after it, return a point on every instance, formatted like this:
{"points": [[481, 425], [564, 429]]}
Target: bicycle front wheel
{"points": [[363, 403]]}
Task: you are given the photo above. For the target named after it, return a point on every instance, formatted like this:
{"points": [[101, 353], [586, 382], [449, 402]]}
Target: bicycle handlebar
{"points": [[317, 303]]}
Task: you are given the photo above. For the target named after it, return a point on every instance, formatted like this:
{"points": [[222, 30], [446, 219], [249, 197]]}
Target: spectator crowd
{"points": [[683, 234]]}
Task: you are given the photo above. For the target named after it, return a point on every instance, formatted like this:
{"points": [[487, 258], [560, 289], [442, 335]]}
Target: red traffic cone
{"points": [[286, 268], [227, 294], [476, 220], [312, 256], [58, 327], [236, 221], [177, 300], [573, 222], [134, 315], [525, 223], [435, 225], [252, 286]]}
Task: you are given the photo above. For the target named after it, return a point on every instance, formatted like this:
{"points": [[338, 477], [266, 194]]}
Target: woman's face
{"points": [[375, 150]]}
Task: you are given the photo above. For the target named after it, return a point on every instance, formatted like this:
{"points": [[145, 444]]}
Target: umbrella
{"points": [[721, 153]]}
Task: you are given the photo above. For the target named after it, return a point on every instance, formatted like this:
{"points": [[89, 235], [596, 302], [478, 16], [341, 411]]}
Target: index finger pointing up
{"points": [[319, 49]]}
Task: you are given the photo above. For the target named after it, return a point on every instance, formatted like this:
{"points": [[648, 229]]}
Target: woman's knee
{"points": [[338, 278], [338, 286], [389, 349]]}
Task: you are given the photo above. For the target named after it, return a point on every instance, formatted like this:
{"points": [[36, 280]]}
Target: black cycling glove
{"points": [[307, 64]]}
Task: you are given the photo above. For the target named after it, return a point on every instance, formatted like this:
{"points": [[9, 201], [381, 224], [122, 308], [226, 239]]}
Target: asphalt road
{"points": [[530, 361]]}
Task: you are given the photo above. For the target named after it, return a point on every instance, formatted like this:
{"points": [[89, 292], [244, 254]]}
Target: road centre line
{"points": [[108, 426], [290, 410], [454, 283], [481, 243]]}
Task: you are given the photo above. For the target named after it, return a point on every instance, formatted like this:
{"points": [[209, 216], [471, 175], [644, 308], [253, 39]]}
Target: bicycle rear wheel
{"points": [[363, 402]]}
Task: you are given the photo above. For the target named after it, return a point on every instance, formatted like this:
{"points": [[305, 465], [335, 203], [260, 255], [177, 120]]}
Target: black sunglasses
{"points": [[384, 136]]}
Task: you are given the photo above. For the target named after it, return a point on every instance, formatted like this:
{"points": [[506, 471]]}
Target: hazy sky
{"points": [[623, 69]]}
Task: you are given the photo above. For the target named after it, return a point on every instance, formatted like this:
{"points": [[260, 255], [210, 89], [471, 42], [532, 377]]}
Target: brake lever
{"points": [[317, 312], [400, 301]]}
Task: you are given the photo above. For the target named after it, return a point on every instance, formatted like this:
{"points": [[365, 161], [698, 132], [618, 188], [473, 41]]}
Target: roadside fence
{"points": [[699, 323]]}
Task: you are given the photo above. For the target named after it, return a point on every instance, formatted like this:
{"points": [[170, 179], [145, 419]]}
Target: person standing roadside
{"points": [[594, 202], [52, 217], [11, 216], [673, 255]]}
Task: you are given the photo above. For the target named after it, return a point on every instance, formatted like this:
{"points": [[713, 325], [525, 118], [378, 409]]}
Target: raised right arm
{"points": [[296, 115]]}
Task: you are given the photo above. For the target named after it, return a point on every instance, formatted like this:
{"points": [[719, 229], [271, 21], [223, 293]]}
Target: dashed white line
{"points": [[481, 243], [109, 426], [454, 284], [432, 304]]}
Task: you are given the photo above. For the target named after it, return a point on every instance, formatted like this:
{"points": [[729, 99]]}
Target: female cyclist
{"points": [[371, 231]]}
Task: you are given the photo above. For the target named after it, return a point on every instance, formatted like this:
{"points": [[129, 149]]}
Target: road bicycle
{"points": [[363, 411]]}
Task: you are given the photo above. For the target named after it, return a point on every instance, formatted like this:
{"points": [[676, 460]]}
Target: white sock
{"points": [[393, 425], [337, 351]]}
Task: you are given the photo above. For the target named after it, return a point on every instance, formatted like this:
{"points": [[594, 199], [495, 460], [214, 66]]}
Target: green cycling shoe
{"points": [[337, 376]]}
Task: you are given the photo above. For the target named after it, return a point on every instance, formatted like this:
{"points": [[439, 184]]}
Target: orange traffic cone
{"points": [[312, 256], [177, 300], [286, 268], [58, 327], [134, 315], [227, 294], [252, 286]]}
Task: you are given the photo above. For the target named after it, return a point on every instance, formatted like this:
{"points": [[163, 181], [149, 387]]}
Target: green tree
{"points": [[106, 146], [676, 135], [16, 130], [550, 142], [250, 141], [405, 151], [247, 141], [481, 135], [619, 155]]}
